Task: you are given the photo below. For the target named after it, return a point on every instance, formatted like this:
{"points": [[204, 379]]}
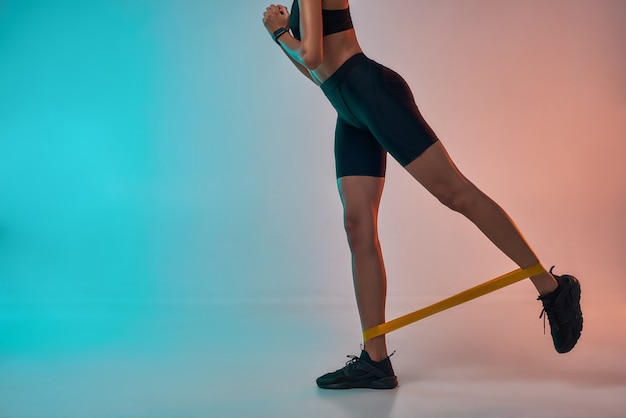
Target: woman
{"points": [[377, 115]]}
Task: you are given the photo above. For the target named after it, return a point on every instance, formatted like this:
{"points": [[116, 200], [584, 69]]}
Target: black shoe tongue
{"points": [[365, 356], [383, 365]]}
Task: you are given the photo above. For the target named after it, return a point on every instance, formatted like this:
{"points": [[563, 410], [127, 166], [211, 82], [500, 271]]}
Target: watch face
{"points": [[278, 32]]}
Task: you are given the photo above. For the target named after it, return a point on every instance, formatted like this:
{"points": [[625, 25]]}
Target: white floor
{"points": [[250, 358]]}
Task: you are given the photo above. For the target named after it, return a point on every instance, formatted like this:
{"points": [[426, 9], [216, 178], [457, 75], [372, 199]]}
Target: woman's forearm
{"points": [[309, 57], [299, 66], [306, 55]]}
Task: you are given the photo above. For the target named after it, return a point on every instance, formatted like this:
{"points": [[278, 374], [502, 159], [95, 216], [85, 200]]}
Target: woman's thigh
{"points": [[435, 170], [357, 152]]}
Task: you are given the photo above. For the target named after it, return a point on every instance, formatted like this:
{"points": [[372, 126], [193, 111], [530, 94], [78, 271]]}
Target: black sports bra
{"points": [[333, 20]]}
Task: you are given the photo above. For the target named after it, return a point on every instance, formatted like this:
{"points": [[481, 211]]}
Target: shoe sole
{"points": [[384, 383], [574, 291]]}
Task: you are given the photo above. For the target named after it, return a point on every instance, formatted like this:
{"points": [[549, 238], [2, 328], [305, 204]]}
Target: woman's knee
{"points": [[459, 199], [360, 231]]}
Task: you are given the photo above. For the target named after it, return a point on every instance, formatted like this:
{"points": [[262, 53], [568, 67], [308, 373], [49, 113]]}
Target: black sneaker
{"points": [[361, 372], [562, 307]]}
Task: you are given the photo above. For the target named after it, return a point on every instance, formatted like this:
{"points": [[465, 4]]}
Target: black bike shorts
{"points": [[376, 114]]}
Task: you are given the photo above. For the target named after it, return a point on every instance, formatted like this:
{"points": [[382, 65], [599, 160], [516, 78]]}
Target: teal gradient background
{"points": [[163, 155], [140, 165]]}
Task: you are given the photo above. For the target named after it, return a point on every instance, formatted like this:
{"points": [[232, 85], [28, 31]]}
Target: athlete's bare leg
{"points": [[360, 196], [437, 173]]}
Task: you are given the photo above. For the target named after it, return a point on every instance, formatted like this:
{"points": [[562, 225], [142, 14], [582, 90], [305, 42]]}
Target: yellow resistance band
{"points": [[465, 296]]}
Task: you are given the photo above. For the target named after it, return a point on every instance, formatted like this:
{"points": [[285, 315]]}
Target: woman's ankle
{"points": [[545, 283], [376, 348]]}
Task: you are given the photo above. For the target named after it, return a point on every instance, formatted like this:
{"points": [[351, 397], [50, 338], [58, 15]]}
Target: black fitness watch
{"points": [[278, 33]]}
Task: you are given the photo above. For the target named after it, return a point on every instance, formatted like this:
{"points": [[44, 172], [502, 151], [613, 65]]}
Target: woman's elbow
{"points": [[312, 59]]}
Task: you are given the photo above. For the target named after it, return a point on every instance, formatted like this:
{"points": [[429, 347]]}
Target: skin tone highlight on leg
{"points": [[360, 196], [437, 173]]}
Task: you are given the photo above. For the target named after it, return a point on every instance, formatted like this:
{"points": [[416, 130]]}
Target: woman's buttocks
{"points": [[347, 88]]}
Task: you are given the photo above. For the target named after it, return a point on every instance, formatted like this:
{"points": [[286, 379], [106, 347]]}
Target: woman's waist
{"points": [[336, 53]]}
